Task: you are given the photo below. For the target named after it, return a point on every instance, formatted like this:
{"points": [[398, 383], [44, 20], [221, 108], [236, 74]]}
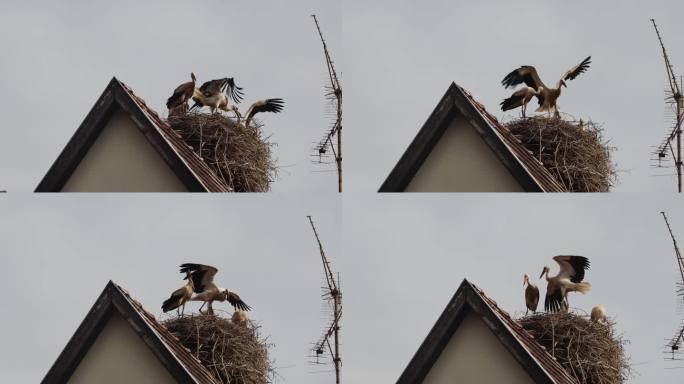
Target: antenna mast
{"points": [[331, 293], [675, 342], [676, 99], [333, 136]]}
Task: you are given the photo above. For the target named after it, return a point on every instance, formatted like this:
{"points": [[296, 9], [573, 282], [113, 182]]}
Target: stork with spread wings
{"points": [[201, 283], [534, 87]]}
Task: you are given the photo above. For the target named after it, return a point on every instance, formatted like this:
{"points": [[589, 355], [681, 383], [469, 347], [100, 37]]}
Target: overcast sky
{"points": [[58, 58], [400, 57], [407, 257], [59, 253]]}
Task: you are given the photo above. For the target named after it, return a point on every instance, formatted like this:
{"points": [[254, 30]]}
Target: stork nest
{"points": [[575, 152], [589, 351], [233, 353], [239, 155]]}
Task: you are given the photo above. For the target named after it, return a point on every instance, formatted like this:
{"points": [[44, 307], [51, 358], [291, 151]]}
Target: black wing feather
{"points": [[581, 68], [233, 91], [553, 300], [196, 274], [580, 264], [524, 74]]}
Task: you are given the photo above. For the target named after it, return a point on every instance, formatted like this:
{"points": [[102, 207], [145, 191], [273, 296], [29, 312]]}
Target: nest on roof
{"points": [[239, 155], [589, 351], [575, 152], [233, 353]]}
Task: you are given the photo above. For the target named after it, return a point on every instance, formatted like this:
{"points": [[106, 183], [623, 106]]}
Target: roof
{"points": [[194, 173], [539, 364], [525, 168], [180, 363]]}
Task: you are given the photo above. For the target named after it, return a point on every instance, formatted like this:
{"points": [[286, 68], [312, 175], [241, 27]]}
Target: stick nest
{"points": [[575, 153], [589, 351], [239, 155], [233, 353]]}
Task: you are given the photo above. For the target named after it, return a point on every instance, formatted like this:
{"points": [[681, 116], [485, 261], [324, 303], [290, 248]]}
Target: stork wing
{"points": [[177, 98], [532, 297], [572, 267], [268, 105], [233, 91], [202, 275], [553, 300], [526, 74], [213, 87], [576, 70], [236, 302]]}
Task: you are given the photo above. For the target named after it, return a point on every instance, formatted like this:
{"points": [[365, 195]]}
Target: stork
{"points": [[216, 92], [520, 98], [268, 105], [598, 314], [547, 97], [179, 297], [531, 295], [240, 317], [205, 290], [182, 94], [568, 279]]}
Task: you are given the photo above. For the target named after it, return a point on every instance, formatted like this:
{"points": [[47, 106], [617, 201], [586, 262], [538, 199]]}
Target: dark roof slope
{"points": [[180, 363], [194, 173], [539, 364], [527, 170]]}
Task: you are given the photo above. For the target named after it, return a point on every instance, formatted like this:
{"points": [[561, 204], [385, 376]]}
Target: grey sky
{"points": [[402, 55], [62, 251], [59, 57], [408, 256]]}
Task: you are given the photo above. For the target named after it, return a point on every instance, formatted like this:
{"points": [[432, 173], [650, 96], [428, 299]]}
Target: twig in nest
{"points": [[589, 351], [575, 153], [233, 353], [239, 155]]}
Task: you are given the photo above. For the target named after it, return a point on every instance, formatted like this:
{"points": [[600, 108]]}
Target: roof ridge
{"points": [[508, 136], [168, 338], [194, 163], [517, 328]]}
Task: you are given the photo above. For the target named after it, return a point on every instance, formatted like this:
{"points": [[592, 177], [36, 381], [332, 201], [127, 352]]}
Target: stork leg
{"points": [[202, 306]]}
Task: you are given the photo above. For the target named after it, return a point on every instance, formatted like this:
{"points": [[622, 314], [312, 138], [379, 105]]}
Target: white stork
{"points": [[182, 94], [568, 279], [240, 317], [268, 105], [598, 314], [206, 290], [547, 97], [520, 98], [218, 92], [178, 298], [531, 295]]}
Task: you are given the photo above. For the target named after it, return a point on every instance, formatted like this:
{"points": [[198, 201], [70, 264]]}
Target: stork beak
{"points": [[542, 274]]}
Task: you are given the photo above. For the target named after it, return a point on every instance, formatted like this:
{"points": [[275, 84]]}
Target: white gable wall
{"points": [[122, 160], [462, 162], [474, 355], [118, 355]]}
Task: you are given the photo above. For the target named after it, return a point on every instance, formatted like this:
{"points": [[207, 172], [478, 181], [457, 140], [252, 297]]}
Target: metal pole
{"points": [[680, 101], [336, 358]]}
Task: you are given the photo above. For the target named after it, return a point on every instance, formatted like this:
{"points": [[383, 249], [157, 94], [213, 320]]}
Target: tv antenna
{"points": [[676, 342], [671, 146], [332, 297], [332, 138]]}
